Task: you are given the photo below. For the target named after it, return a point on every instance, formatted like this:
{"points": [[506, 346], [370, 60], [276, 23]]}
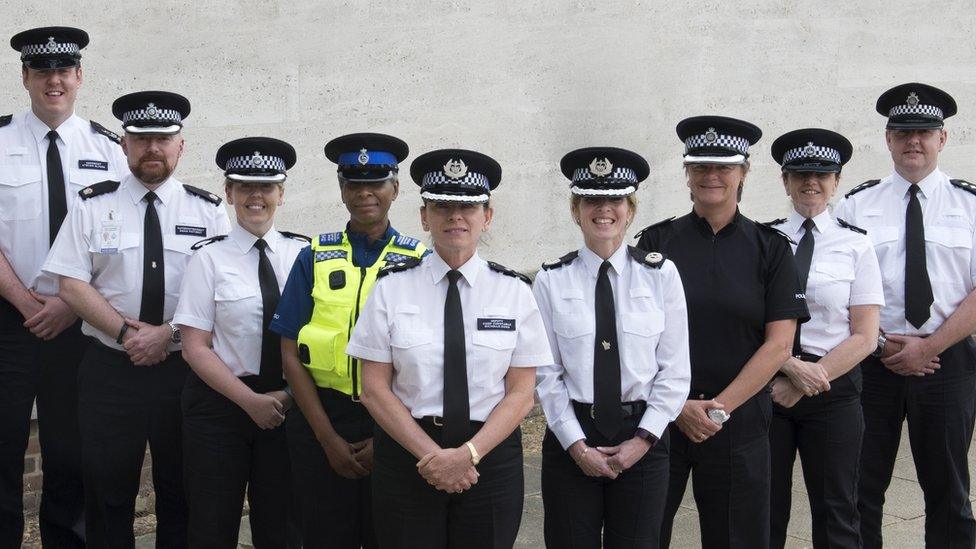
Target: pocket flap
{"points": [[643, 324], [572, 325], [234, 292], [405, 339], [880, 235], [949, 236], [17, 176], [495, 340]]}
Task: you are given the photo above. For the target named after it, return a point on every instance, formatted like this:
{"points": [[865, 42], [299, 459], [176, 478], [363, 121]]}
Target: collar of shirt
{"points": [[469, 271], [706, 228], [39, 129], [927, 185], [794, 224], [592, 262], [137, 190], [245, 240]]}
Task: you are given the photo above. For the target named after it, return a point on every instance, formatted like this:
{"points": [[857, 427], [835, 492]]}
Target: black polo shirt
{"points": [[735, 282]]}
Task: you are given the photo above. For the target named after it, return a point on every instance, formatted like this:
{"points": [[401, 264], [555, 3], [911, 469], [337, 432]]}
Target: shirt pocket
{"points": [[176, 254], [412, 347], [238, 306], [20, 193], [125, 261], [574, 337], [951, 247], [639, 333], [830, 282], [492, 350]]}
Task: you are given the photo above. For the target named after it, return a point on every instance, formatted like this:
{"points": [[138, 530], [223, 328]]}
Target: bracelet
{"points": [[125, 328], [583, 453]]}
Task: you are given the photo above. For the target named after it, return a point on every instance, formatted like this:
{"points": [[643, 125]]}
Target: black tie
{"points": [[153, 278], [918, 288], [803, 257], [457, 413], [270, 377], [607, 412], [57, 204]]}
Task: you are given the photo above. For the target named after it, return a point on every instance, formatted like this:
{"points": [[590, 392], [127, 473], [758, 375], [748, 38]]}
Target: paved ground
{"points": [[903, 525]]}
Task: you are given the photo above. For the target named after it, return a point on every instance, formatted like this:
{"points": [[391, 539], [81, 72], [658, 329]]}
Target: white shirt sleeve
{"points": [[69, 255], [867, 287], [673, 379], [370, 339], [531, 347], [550, 387], [197, 307]]}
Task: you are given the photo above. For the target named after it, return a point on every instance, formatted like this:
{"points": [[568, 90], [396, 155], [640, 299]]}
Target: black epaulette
{"points": [[296, 236], [390, 268], [847, 225], [779, 221], [564, 260], [771, 229], [964, 185], [204, 194], [96, 189], [509, 272], [668, 220], [112, 136], [5, 119], [653, 260], [206, 241], [862, 186]]}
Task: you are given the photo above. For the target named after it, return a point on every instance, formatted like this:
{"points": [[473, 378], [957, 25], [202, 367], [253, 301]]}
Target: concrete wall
{"points": [[524, 81]]}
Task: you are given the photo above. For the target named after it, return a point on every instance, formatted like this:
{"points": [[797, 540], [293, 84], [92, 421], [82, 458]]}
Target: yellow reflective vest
{"points": [[339, 293]]}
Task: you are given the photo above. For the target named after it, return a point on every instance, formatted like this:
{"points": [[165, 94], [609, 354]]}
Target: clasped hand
{"points": [[146, 343], [448, 469], [909, 356], [694, 422]]}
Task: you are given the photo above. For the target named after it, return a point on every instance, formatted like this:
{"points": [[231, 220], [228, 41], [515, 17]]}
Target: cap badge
{"points": [[51, 45], [600, 167], [363, 157], [809, 150], [257, 161], [151, 110], [455, 169], [653, 257], [912, 100], [711, 136]]}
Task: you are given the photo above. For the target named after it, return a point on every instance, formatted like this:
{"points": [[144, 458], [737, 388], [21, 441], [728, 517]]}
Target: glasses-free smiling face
{"points": [[915, 153], [52, 91], [715, 184], [455, 227], [810, 191], [603, 219], [255, 204], [368, 203]]}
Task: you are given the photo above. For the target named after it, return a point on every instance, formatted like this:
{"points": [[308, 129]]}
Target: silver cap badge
{"points": [[455, 169], [912, 100], [711, 136], [257, 161], [809, 150], [600, 167], [363, 157]]}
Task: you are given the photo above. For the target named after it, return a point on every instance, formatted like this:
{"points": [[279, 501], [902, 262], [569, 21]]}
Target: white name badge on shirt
{"points": [[111, 233]]}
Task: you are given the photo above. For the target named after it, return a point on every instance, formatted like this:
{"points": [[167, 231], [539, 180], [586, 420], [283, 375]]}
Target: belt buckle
{"points": [[438, 421], [593, 411]]}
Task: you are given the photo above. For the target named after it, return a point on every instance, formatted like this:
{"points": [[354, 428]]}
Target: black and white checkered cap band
{"points": [[261, 162], [731, 142], [927, 110], [470, 179], [152, 113], [620, 174], [813, 152], [50, 48]]}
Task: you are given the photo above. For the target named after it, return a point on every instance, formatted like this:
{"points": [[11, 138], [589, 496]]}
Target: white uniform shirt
{"points": [[221, 294], [86, 157], [949, 215], [81, 251], [403, 324], [843, 272], [652, 334]]}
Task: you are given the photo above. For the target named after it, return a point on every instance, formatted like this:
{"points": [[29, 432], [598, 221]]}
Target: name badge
{"points": [[93, 165], [502, 324], [189, 230], [111, 233]]}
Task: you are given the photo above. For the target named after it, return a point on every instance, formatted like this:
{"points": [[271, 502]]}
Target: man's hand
{"points": [[784, 392], [624, 455], [146, 344], [29, 307], [592, 462], [342, 459], [265, 410], [910, 356], [809, 377], [448, 469], [363, 453], [694, 422], [284, 398], [53, 317]]}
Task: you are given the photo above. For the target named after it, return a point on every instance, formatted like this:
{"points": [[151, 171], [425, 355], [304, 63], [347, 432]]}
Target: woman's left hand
{"points": [[284, 398], [626, 454], [444, 468], [785, 393]]}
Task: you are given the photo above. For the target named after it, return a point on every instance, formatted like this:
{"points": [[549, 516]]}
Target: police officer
{"points": [[743, 304], [330, 435], [817, 408], [922, 224], [49, 153], [234, 401], [618, 328], [121, 259], [448, 385]]}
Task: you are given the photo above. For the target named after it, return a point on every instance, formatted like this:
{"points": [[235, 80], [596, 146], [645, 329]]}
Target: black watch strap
{"points": [[122, 331]]}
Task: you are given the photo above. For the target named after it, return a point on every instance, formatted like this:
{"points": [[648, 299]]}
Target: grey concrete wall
{"points": [[524, 81]]}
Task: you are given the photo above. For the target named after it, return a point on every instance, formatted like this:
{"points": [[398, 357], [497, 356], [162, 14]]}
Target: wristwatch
{"points": [[475, 457], [644, 434], [175, 336], [882, 340]]}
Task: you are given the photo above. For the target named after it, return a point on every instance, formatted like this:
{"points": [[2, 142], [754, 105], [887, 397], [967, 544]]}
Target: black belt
{"points": [[807, 357], [631, 409], [437, 422]]}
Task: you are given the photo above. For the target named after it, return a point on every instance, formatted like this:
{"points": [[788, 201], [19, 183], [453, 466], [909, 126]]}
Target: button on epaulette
{"points": [[295, 236], [663, 222], [397, 267], [327, 239], [779, 221], [847, 225], [205, 241], [862, 186], [204, 194], [100, 129], [564, 260], [774, 230], [5, 119], [964, 185], [96, 189], [508, 272], [650, 259]]}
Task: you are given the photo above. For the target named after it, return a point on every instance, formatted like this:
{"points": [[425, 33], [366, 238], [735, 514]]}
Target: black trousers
{"points": [[409, 513], [730, 479], [47, 370], [940, 409], [225, 455], [336, 512], [121, 408], [582, 511], [826, 430]]}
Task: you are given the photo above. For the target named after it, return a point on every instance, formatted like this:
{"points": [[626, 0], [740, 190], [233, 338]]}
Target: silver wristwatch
{"points": [[175, 337], [882, 340]]}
